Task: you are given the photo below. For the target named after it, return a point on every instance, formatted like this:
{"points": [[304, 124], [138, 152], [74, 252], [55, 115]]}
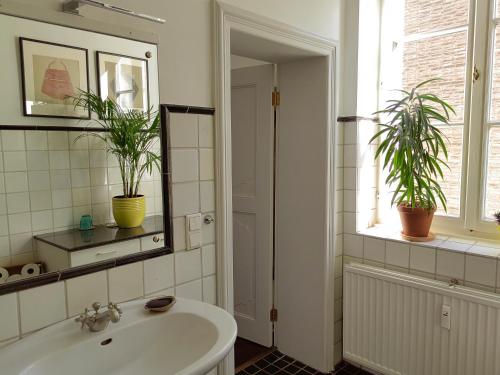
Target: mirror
{"points": [[72, 197]]}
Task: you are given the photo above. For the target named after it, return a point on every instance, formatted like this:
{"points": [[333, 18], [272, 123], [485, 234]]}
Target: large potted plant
{"points": [[129, 135], [413, 151]]}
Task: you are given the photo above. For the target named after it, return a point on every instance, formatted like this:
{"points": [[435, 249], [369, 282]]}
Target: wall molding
{"points": [[177, 108]]}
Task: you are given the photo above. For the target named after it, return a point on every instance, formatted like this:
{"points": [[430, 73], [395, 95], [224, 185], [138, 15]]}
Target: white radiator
{"points": [[393, 325]]}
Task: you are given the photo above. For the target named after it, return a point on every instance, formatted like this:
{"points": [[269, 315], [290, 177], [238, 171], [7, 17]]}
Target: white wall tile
{"points": [[187, 266], [208, 230], [423, 259], [18, 202], [62, 198], [14, 161], [19, 223], [350, 175], [16, 182], [59, 159], [179, 228], [98, 159], [63, 217], [9, 322], [42, 220], [79, 159], [60, 179], [209, 290], [80, 178], [36, 140], [58, 140], [126, 282], [480, 270], [208, 260], [397, 254], [76, 142], [374, 249], [206, 164], [450, 264], [158, 273], [191, 290], [37, 160], [84, 290], [184, 165], [349, 200], [186, 198], [353, 245], [207, 196], [183, 130], [13, 140], [206, 130], [350, 156], [350, 222], [21, 243], [36, 313]]}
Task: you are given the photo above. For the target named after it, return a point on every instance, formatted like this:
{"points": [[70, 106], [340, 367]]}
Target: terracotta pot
{"points": [[416, 221]]}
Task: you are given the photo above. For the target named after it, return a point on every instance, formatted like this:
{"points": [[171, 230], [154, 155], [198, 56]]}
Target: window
{"points": [[424, 39]]}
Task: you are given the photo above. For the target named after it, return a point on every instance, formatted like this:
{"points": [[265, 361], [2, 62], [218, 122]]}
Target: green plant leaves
{"points": [[129, 135], [411, 145]]}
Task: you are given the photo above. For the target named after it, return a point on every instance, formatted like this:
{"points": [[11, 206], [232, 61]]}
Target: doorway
{"points": [[253, 148], [301, 233]]}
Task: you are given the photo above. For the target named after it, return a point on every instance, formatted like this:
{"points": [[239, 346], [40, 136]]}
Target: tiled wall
{"points": [[48, 181], [190, 274]]}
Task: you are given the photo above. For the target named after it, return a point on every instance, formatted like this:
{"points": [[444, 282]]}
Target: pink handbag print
{"points": [[57, 82]]}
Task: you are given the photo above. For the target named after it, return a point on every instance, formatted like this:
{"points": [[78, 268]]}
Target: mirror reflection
{"points": [[80, 149]]}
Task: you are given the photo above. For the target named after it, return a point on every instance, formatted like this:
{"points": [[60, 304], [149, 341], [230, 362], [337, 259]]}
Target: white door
{"points": [[252, 122], [303, 198]]}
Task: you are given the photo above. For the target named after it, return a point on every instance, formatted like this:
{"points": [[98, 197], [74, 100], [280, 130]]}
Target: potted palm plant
{"points": [[129, 135], [414, 152]]}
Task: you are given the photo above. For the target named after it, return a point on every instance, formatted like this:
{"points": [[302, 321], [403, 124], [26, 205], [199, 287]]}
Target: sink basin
{"points": [[191, 338]]}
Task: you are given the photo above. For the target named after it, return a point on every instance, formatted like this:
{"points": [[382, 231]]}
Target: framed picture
{"points": [[51, 75], [123, 79]]}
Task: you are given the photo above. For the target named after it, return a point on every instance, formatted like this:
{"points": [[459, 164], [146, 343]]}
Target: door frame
{"points": [[227, 18]]}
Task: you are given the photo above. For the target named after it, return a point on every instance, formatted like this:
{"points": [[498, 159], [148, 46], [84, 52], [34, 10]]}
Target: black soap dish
{"points": [[160, 304]]}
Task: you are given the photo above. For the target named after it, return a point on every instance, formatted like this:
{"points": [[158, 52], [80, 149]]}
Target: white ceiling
{"points": [[255, 47]]}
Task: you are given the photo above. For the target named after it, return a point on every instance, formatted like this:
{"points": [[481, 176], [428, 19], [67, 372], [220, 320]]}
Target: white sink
{"points": [[191, 338]]}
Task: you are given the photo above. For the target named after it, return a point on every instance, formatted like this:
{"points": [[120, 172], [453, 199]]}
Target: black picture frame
{"points": [[22, 41], [101, 54]]}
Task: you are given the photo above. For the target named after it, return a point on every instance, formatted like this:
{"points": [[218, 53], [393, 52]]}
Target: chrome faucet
{"points": [[97, 321]]}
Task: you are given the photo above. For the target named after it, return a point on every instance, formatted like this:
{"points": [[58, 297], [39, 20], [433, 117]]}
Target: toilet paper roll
{"points": [[14, 277], [30, 269], [4, 275]]}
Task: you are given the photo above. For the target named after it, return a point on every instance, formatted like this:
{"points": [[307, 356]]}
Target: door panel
{"points": [[252, 155], [302, 214]]}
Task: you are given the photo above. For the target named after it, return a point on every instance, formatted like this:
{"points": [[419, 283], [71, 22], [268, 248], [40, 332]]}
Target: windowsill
{"points": [[468, 245]]}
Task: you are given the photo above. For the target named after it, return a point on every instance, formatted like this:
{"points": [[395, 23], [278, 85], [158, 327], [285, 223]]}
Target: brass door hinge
{"points": [[276, 98], [274, 315]]}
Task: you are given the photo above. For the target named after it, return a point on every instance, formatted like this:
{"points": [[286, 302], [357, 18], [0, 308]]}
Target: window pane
{"points": [[495, 84], [439, 57], [453, 176], [492, 202], [431, 15]]}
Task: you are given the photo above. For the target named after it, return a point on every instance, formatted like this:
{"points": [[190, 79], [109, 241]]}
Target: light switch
{"points": [[194, 240], [194, 222], [193, 231]]}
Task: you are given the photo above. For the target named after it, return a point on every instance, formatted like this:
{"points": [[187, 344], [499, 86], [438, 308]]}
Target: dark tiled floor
{"points": [[277, 363], [245, 351]]}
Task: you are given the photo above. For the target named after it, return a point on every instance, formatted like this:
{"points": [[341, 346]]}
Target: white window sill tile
{"points": [[476, 246]]}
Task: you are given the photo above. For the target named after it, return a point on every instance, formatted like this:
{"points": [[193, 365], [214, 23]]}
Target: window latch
{"points": [[475, 74]]}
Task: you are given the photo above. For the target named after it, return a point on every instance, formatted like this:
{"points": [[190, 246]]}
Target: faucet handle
{"points": [[82, 318], [114, 306], [96, 306]]}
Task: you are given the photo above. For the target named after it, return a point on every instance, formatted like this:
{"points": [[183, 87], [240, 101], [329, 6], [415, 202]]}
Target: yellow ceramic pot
{"points": [[129, 212]]}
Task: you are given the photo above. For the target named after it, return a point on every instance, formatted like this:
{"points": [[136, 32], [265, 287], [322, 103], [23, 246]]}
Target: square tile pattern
{"points": [[278, 363]]}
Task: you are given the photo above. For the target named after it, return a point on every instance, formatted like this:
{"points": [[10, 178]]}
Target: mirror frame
{"points": [[56, 276]]}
